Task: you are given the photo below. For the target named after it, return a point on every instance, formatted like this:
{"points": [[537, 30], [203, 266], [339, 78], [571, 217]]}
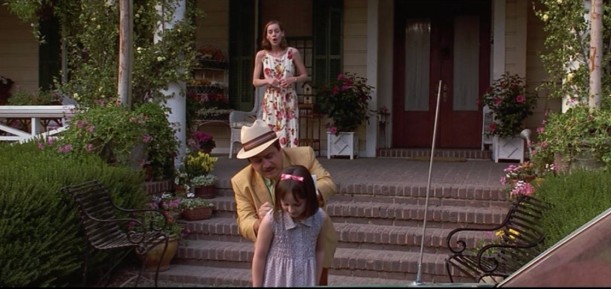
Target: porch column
{"points": [[177, 101]]}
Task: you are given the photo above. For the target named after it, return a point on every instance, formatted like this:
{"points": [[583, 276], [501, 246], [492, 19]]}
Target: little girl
{"points": [[289, 248]]}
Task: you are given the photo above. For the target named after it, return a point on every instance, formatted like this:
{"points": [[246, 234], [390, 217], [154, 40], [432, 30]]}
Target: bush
{"points": [[142, 137], [42, 243], [576, 199], [575, 132]]}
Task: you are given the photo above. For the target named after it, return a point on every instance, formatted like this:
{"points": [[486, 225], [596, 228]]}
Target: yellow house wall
{"points": [[213, 27], [355, 48], [521, 24], [18, 52]]}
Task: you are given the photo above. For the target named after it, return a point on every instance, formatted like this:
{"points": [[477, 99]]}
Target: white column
{"points": [[177, 101]]}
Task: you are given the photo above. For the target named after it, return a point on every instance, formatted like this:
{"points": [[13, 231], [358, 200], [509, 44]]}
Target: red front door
{"points": [[442, 50]]}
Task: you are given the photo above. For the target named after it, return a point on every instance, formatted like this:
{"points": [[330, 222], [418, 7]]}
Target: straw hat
{"points": [[255, 139]]}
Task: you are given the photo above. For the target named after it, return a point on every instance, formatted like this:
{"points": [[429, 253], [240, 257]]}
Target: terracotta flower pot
{"points": [[205, 192], [154, 255], [199, 213]]}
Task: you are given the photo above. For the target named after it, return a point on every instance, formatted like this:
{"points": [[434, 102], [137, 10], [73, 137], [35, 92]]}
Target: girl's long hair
{"points": [[302, 190]]}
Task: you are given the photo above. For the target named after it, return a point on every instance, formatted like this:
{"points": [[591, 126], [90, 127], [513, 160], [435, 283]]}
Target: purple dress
{"points": [[291, 261]]}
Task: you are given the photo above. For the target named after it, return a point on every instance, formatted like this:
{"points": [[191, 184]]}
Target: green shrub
{"points": [[39, 228], [139, 138], [576, 199]]}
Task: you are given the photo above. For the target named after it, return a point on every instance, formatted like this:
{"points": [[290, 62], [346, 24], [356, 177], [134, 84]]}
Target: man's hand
{"points": [[263, 210], [266, 207]]}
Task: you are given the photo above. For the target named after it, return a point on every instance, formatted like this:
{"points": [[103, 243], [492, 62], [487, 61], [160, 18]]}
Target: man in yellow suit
{"points": [[253, 186]]}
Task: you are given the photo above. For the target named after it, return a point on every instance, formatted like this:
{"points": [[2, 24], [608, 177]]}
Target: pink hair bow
{"points": [[290, 177]]}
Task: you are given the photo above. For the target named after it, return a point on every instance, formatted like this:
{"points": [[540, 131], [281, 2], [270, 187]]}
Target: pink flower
{"points": [[81, 124], [335, 90], [89, 148], [65, 148], [540, 129], [147, 138], [520, 98], [522, 188]]}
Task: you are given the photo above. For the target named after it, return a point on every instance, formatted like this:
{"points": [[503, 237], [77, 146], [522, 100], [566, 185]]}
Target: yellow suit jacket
{"points": [[250, 193]]}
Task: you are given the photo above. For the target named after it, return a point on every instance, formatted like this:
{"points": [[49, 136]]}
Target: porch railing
{"points": [[22, 123]]}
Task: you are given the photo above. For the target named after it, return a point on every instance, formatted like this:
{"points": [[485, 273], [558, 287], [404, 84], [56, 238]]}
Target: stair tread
{"points": [[501, 209], [340, 252], [341, 227], [200, 276]]}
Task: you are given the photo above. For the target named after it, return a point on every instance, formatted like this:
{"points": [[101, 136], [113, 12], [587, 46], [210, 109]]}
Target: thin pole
{"points": [[428, 188]]}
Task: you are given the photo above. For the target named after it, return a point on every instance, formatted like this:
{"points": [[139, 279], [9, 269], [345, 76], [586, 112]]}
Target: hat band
{"points": [[270, 135]]}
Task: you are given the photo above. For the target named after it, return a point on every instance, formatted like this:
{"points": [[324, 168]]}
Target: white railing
{"points": [[43, 121]]}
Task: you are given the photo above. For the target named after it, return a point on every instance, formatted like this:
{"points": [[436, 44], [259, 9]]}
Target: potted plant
{"points": [[193, 209], [194, 174], [509, 103], [169, 205], [525, 177], [201, 140], [346, 103]]}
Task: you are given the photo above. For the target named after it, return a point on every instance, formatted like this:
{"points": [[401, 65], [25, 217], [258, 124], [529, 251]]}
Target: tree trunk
{"points": [[596, 48]]}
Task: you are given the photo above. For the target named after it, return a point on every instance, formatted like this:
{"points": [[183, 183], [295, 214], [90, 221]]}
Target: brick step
{"points": [[478, 196], [469, 154], [401, 214], [181, 275], [389, 264], [400, 192], [350, 235]]}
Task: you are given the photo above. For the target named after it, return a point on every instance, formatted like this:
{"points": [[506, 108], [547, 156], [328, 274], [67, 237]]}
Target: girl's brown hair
{"points": [[299, 183], [265, 44]]}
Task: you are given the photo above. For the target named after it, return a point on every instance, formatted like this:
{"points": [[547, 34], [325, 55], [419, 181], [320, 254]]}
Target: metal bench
{"points": [[107, 226], [519, 239]]}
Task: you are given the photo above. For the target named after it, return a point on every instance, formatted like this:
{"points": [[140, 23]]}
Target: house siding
{"points": [[355, 48], [535, 72], [526, 60], [355, 37], [213, 28], [18, 52]]}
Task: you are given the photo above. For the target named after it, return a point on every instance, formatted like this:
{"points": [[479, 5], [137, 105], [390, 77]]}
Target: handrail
{"points": [[36, 114]]}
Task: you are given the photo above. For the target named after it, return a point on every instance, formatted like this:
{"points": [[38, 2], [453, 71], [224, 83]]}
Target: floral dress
{"points": [[291, 260], [280, 109]]}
